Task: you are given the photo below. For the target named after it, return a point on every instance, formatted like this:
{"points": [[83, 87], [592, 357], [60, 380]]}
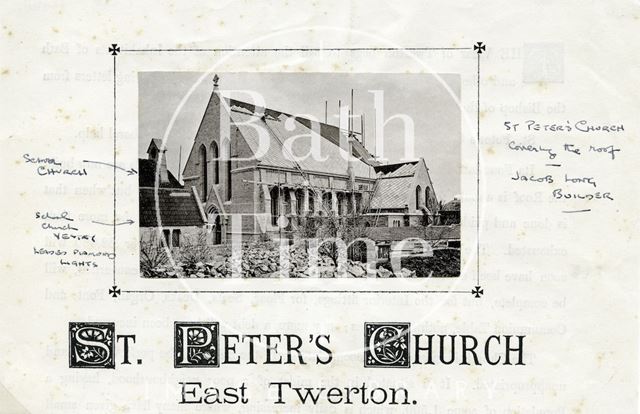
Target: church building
{"points": [[253, 161]]}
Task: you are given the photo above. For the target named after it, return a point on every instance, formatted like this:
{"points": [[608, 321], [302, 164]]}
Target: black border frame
{"points": [[175, 344], [112, 347], [368, 350], [479, 47]]}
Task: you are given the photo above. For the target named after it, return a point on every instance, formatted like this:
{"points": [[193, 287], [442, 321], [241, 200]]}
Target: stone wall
{"points": [[263, 261]]}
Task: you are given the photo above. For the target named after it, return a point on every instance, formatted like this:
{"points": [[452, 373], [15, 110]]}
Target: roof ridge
{"points": [[395, 176], [288, 115], [399, 163]]}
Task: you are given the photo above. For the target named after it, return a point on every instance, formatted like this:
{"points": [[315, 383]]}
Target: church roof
{"points": [[155, 142], [392, 193], [395, 185], [397, 169], [178, 208], [327, 131], [147, 175], [281, 128]]}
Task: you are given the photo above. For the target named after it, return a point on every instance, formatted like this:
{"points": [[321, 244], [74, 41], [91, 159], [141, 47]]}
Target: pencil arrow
{"points": [[130, 171], [129, 222]]}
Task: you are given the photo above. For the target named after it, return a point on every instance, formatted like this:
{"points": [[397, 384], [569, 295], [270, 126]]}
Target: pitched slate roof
{"points": [[394, 188], [280, 128], [327, 131], [147, 175], [397, 170], [392, 193], [178, 208], [425, 233]]}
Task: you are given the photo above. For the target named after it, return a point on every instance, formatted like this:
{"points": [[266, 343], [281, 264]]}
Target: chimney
{"points": [[157, 154], [164, 174]]}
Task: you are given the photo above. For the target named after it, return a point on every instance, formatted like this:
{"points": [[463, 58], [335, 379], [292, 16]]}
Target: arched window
{"points": [[228, 162], [326, 202], [286, 202], [275, 204], [312, 202], [203, 172], [213, 217], [427, 197], [418, 197], [340, 198], [215, 154], [299, 202]]}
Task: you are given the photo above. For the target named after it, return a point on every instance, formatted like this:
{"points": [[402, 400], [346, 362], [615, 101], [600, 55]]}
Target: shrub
{"points": [[195, 249], [443, 263], [152, 253]]}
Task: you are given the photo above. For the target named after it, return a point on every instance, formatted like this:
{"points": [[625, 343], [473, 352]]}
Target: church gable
{"points": [[208, 132], [404, 185], [426, 195], [226, 118]]}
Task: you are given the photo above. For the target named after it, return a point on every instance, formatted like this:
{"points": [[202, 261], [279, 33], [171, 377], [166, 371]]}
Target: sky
{"points": [[428, 100]]}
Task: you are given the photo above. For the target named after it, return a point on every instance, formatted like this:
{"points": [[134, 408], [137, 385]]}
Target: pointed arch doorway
{"points": [[213, 217]]}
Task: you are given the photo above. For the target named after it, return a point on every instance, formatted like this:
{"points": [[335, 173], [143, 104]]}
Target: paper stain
{"points": [[579, 407], [61, 112], [542, 86]]}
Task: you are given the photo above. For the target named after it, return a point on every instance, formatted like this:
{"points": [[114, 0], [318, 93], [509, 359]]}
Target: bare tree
{"points": [[332, 226]]}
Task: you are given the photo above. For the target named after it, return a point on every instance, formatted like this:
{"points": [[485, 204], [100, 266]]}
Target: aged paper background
{"points": [[567, 281]]}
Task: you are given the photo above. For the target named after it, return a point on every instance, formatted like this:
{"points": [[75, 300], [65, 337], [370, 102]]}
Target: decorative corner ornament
{"points": [[114, 291], [477, 291]]}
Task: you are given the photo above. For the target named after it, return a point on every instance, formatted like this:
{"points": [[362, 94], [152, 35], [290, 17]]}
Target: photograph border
{"points": [[115, 50]]}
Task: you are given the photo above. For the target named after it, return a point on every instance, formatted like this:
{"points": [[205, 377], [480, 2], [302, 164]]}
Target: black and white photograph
{"points": [[299, 175], [320, 207]]}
